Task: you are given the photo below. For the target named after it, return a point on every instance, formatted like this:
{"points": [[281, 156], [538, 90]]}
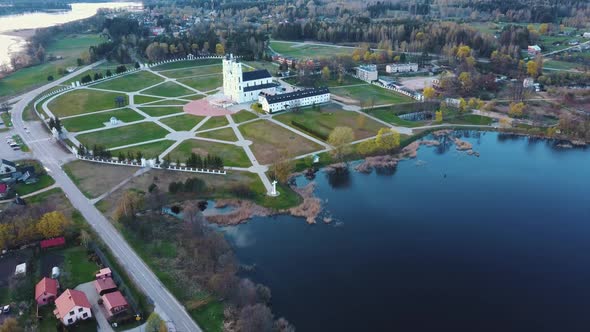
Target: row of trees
{"points": [[208, 162]]}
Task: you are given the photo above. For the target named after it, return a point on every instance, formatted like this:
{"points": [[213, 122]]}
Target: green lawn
{"points": [[168, 89], [93, 121], [82, 101], [471, 119], [243, 115], [44, 182], [301, 50], [77, 268], [225, 134], [160, 111], [110, 138], [183, 122], [389, 116], [210, 317], [370, 94], [170, 102], [193, 71], [139, 99], [328, 117], [149, 150], [188, 63], [6, 119], [561, 65], [203, 83], [214, 122], [232, 155], [332, 82], [131, 82], [270, 66], [69, 47]]}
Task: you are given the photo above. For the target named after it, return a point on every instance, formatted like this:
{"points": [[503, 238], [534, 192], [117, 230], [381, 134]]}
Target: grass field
{"points": [[93, 121], [44, 182], [110, 138], [255, 65], [369, 94], [69, 47], [224, 134], [188, 63], [214, 122], [96, 179], [193, 71], [168, 89], [561, 65], [131, 82], [329, 117], [160, 111], [77, 268], [271, 140], [232, 155], [243, 115], [389, 116], [139, 99], [302, 50], [82, 101], [168, 102], [150, 150], [332, 83], [203, 83], [183, 122]]}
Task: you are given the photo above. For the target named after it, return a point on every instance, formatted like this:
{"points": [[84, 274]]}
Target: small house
{"points": [[114, 303], [105, 285], [4, 190], [46, 291], [7, 167], [103, 273], [534, 50], [71, 306]]}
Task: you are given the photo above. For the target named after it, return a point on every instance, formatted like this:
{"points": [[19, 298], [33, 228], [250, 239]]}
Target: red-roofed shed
{"points": [[105, 285], [114, 303], [55, 242], [45, 291]]}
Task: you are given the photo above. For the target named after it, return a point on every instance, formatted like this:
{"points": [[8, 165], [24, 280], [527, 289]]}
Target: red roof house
{"points": [[3, 190], [103, 273], [46, 291], [105, 285], [71, 306], [114, 303], [55, 242]]}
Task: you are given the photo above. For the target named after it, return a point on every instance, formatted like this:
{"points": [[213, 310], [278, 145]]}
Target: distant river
{"points": [[449, 242], [10, 43]]}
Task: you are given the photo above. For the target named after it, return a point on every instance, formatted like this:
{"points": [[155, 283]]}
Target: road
{"points": [[51, 155]]}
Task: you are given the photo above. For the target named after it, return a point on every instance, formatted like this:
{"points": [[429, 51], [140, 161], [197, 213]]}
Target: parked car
{"points": [[6, 309]]}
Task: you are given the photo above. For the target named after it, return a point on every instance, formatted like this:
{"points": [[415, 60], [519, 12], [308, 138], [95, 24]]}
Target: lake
{"points": [[448, 242], [11, 43]]}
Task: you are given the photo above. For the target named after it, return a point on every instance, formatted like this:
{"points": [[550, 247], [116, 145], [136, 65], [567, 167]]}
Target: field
{"points": [[232, 155], [370, 95], [93, 121], [185, 64], [69, 47], [391, 117], [183, 122], [214, 122], [149, 150], [139, 99], [561, 65], [168, 89], [193, 71], [132, 82], [329, 117], [203, 83], [270, 141], [82, 101], [120, 136], [224, 134], [160, 111], [96, 179], [304, 50], [243, 115]]}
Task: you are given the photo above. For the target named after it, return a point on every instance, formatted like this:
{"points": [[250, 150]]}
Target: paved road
{"points": [[51, 155]]}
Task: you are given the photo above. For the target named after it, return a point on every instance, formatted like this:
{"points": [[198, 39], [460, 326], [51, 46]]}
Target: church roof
{"points": [[255, 75], [296, 95]]}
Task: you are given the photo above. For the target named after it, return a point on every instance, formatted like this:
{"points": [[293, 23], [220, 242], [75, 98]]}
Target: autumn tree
{"points": [[255, 318], [11, 325], [438, 116], [367, 147], [387, 139], [52, 224], [219, 49], [462, 105], [283, 168], [429, 93], [155, 324], [326, 73], [339, 138], [531, 69], [361, 121], [516, 110], [129, 204]]}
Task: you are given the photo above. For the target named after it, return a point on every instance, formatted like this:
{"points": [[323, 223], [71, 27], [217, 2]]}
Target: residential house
{"points": [[114, 303], [71, 306], [105, 285], [7, 167], [534, 50], [4, 189], [103, 273], [46, 291], [367, 73]]}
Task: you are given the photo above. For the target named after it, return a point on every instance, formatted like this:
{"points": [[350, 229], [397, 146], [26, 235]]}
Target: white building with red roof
{"points": [[71, 306], [46, 291]]}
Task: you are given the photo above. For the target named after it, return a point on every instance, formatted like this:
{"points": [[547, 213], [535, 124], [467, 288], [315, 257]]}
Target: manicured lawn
{"points": [[44, 182], [92, 121], [389, 116], [243, 115], [225, 134], [160, 111], [168, 89], [131, 82], [214, 122], [193, 71], [69, 47], [203, 83], [183, 122], [110, 138], [232, 155], [369, 94], [470, 119], [77, 268], [270, 66], [168, 102], [188, 63], [150, 150], [139, 99], [301, 50], [271, 140], [327, 118], [332, 83], [82, 101]]}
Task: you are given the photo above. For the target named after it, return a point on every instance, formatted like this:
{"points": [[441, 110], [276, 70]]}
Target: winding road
{"points": [[52, 156]]}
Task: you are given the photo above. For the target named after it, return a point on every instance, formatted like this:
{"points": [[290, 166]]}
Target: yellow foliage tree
{"points": [[516, 110], [463, 51], [366, 147], [326, 73], [387, 139], [429, 92], [544, 28], [367, 56], [339, 138], [462, 105], [219, 49], [438, 116], [52, 224], [531, 68]]}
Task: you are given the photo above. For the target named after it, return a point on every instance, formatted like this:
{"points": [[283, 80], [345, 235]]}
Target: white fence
{"points": [[150, 163], [188, 58]]}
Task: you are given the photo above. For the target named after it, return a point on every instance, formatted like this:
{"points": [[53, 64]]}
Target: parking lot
{"points": [[7, 152]]}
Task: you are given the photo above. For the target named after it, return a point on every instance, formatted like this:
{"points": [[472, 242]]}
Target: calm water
{"points": [[10, 44], [502, 243]]}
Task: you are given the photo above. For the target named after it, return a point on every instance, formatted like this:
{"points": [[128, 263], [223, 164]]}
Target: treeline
{"points": [[23, 225], [28, 6]]}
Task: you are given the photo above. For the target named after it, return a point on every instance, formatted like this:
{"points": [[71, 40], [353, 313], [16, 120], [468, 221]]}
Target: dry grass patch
{"points": [[95, 179]]}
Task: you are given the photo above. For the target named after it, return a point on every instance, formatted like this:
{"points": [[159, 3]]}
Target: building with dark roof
{"points": [[285, 101], [255, 75], [7, 167], [241, 86]]}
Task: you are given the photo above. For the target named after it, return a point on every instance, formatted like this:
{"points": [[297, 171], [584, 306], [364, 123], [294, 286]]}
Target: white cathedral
{"points": [[242, 86]]}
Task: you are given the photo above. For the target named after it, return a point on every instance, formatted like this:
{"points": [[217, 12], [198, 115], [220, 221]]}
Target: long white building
{"points": [[401, 68], [242, 86], [290, 100], [367, 73]]}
